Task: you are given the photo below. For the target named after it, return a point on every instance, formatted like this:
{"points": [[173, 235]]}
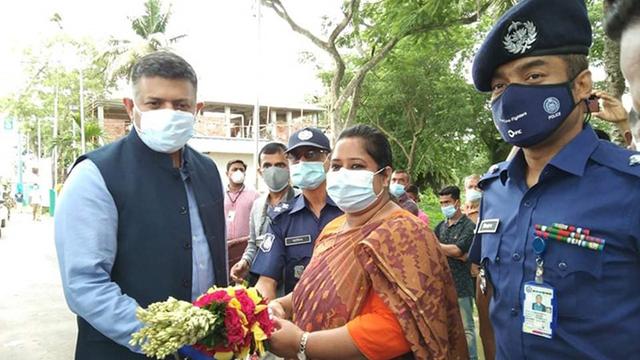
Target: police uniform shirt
{"points": [[592, 184], [288, 244]]}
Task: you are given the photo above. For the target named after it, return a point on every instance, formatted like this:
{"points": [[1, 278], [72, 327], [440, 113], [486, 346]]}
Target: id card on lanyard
{"points": [[539, 302], [539, 309]]}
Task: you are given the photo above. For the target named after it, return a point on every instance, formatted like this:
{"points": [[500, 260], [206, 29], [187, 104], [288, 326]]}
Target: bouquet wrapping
{"points": [[223, 323]]}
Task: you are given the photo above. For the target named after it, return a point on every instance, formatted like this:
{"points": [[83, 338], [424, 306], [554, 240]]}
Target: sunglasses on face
{"points": [[308, 155]]}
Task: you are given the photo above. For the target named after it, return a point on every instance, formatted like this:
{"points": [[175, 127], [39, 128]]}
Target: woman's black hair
{"points": [[375, 143]]}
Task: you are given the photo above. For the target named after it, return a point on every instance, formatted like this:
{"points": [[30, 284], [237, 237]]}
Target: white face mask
{"points": [[237, 177], [352, 190], [165, 130]]}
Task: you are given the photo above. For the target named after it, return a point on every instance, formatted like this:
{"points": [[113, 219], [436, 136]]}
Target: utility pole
{"points": [[256, 108], [55, 138], [82, 139], [39, 139]]}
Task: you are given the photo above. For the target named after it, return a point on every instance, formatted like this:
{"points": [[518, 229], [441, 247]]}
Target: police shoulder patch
{"points": [[267, 242]]}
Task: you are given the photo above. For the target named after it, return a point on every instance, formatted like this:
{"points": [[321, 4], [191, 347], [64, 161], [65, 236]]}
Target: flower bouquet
{"points": [[223, 323]]}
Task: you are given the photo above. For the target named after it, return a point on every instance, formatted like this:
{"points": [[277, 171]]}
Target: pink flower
{"points": [[216, 296], [247, 305], [266, 324], [233, 325]]}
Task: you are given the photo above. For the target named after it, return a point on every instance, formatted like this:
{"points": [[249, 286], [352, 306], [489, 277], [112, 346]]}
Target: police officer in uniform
{"points": [[561, 219], [288, 244]]}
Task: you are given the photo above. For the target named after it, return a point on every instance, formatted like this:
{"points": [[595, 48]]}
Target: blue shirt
{"points": [[591, 184], [288, 244], [86, 226]]}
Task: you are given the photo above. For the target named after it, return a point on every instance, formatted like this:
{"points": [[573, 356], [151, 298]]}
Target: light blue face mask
{"points": [[307, 174], [396, 189], [352, 190], [448, 211], [473, 195]]}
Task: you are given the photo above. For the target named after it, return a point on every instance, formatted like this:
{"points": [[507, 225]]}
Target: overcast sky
{"points": [[221, 42]]}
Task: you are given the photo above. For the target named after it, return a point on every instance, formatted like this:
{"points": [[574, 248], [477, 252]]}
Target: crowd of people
{"points": [[338, 243]]}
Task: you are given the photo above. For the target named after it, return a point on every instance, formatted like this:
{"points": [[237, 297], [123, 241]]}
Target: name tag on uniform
{"points": [[539, 310], [297, 240], [488, 226]]}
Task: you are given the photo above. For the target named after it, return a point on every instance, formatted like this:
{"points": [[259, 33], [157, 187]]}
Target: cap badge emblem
{"points": [[520, 37], [305, 135]]}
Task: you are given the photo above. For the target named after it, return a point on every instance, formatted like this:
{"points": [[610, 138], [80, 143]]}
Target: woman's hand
{"points": [[285, 341], [276, 309]]}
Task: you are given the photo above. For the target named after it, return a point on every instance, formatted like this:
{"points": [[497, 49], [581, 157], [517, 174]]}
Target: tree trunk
{"points": [[615, 79]]}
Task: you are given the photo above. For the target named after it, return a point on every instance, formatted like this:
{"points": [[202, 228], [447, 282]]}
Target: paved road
{"points": [[35, 322]]}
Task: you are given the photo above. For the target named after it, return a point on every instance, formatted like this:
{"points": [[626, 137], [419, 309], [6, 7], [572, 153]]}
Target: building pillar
{"points": [[289, 123], [274, 124], [227, 121]]}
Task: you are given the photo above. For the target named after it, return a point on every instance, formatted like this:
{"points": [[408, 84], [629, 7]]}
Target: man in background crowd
{"points": [[238, 201], [623, 25], [472, 197], [455, 233], [413, 192], [400, 179], [274, 169]]}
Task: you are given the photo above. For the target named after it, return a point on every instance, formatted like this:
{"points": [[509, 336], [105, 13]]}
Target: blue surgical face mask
{"points": [[352, 190], [307, 174], [525, 115], [448, 211], [396, 189]]}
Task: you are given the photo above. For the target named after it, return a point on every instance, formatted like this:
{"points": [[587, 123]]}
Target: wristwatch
{"points": [[303, 346]]}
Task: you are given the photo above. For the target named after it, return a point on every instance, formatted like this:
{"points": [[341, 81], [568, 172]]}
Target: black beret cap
{"points": [[533, 28]]}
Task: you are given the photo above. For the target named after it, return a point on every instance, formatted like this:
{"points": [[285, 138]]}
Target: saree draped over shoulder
{"points": [[398, 258]]}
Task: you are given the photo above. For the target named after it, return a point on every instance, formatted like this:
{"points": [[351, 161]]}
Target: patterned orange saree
{"points": [[397, 258]]}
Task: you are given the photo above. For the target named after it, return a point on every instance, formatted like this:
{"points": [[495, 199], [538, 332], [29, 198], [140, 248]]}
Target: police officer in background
{"points": [[288, 244], [542, 232]]}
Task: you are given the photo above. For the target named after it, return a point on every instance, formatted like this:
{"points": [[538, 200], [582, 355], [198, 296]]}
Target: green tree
{"points": [[56, 84], [150, 30], [367, 33]]}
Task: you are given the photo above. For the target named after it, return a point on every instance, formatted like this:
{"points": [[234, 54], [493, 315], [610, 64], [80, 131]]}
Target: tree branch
{"points": [[393, 138], [355, 104], [328, 46], [348, 15], [280, 10]]}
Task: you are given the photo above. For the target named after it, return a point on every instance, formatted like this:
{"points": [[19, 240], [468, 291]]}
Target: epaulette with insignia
{"points": [[282, 208], [493, 172], [615, 157]]}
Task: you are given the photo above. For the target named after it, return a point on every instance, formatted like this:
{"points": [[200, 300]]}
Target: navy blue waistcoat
{"points": [[154, 260]]}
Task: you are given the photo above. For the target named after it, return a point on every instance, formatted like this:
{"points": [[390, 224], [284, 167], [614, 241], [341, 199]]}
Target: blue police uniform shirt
{"points": [[592, 184], [288, 244]]}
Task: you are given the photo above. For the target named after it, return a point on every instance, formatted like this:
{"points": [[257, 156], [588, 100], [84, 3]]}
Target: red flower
{"points": [[266, 324], [216, 296], [233, 325], [247, 305]]}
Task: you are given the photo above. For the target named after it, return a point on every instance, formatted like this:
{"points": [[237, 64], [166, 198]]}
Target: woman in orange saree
{"points": [[377, 286]]}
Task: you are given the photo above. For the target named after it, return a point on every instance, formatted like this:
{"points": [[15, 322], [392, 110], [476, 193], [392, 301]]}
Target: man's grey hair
{"points": [[163, 64], [469, 178]]}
